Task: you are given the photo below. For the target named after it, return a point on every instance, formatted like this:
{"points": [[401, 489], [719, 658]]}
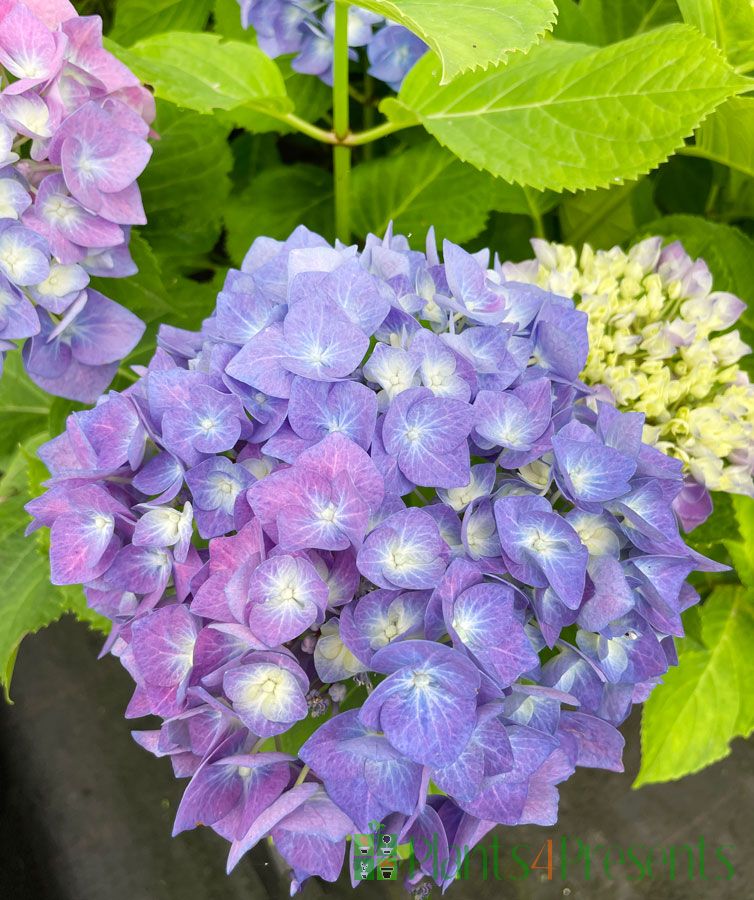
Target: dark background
{"points": [[85, 814]]}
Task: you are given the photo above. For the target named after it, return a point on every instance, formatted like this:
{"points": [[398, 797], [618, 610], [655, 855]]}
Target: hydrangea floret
{"points": [[369, 552], [73, 127], [305, 28], [661, 342]]}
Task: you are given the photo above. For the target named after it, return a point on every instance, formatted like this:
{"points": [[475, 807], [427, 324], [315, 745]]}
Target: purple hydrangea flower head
{"points": [[410, 554], [306, 28], [73, 128]]}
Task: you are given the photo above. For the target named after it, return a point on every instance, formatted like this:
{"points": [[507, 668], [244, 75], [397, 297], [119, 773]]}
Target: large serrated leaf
{"points": [[135, 19], [604, 21], [310, 99], [28, 601], [569, 116], [186, 183], [202, 72], [729, 23], [607, 217], [426, 185], [142, 293], [727, 137], [689, 721], [24, 407], [472, 33], [276, 202]]}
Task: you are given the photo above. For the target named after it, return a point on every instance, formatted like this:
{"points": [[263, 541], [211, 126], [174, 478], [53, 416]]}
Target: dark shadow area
{"points": [[85, 814]]}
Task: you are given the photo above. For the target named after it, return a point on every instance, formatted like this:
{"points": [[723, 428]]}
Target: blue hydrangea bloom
{"points": [[305, 28], [371, 503]]}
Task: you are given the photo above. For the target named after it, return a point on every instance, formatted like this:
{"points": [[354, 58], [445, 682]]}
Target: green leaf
{"points": [[742, 548], [729, 23], [142, 293], [426, 185], [202, 72], [186, 183], [510, 235], [276, 202], [293, 739], [23, 406], [226, 20], [572, 116], [310, 99], [193, 300], [472, 33], [608, 217], [28, 601], [74, 601], [135, 19], [689, 721], [721, 525], [605, 21], [727, 137], [683, 184]]}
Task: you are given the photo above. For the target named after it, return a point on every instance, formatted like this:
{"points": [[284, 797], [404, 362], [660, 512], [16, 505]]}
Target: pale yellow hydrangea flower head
{"points": [[661, 341]]}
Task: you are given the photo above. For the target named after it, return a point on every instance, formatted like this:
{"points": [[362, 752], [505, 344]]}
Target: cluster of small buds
{"points": [[417, 552], [660, 343], [73, 128], [306, 28]]}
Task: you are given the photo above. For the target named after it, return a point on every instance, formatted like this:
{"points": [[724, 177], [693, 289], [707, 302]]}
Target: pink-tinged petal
{"points": [[52, 12], [63, 215], [163, 645], [28, 113], [326, 515], [98, 157], [335, 454], [287, 596], [123, 208], [28, 48], [78, 542], [143, 570]]}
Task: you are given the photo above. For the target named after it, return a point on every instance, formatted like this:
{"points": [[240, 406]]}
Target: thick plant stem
{"points": [[360, 138], [341, 153]]}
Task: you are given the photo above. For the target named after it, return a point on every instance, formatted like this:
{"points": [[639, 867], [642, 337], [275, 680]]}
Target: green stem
{"points": [[301, 776], [374, 134], [341, 152], [312, 131], [369, 110], [348, 139], [127, 373]]}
